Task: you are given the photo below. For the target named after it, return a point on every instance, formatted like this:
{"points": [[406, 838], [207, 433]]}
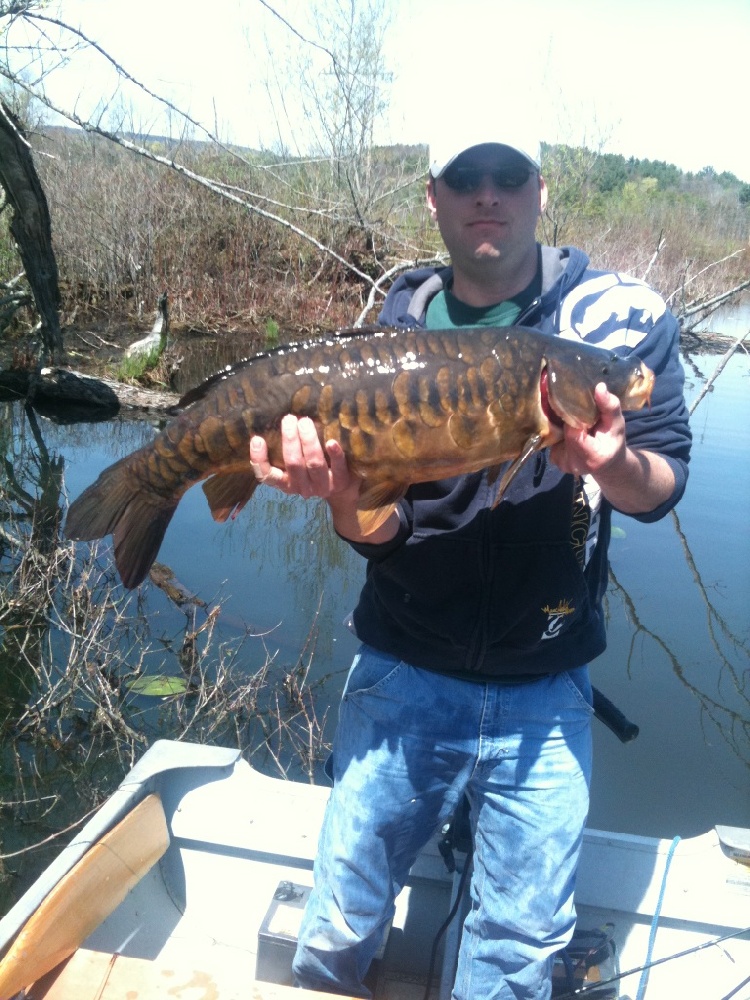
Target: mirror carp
{"points": [[407, 406]]}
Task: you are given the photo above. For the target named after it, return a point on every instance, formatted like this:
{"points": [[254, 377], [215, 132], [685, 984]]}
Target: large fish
{"points": [[407, 406]]}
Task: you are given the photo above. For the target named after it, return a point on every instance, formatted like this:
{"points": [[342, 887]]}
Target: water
{"points": [[677, 662], [732, 320]]}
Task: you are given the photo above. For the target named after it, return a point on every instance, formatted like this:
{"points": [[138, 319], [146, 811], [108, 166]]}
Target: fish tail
{"points": [[137, 518]]}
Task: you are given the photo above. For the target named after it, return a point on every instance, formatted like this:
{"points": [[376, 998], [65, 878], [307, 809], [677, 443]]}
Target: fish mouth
{"points": [[547, 408]]}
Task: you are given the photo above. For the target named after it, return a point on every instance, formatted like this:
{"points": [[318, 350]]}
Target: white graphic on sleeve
{"points": [[611, 310]]}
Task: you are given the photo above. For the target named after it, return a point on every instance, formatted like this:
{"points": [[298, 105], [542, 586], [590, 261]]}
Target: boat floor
{"points": [[217, 916]]}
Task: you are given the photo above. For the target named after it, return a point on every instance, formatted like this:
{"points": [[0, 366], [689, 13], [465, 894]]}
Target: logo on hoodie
{"points": [[556, 618]]}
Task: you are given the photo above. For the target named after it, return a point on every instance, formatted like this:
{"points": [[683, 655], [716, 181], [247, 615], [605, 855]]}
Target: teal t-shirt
{"points": [[446, 312]]}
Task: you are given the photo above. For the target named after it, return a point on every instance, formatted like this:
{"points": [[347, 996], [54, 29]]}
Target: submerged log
{"points": [[30, 226], [61, 386]]}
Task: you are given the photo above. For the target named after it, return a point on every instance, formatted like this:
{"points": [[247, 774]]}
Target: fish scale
{"points": [[407, 406]]}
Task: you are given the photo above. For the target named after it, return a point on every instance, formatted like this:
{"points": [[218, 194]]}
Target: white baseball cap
{"points": [[456, 138]]}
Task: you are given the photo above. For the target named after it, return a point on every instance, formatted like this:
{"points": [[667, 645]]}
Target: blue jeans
{"points": [[409, 744]]}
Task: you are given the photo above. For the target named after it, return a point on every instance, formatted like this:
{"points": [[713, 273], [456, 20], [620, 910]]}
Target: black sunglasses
{"points": [[466, 180]]}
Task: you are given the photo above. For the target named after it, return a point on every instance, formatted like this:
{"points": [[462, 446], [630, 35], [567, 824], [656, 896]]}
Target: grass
{"points": [[132, 368]]}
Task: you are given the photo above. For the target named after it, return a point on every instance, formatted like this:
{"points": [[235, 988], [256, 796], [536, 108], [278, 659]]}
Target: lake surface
{"points": [[679, 630]]}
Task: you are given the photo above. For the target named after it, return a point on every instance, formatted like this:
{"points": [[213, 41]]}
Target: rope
{"points": [[655, 922]]}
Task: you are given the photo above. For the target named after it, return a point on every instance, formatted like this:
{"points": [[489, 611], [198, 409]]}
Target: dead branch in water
{"points": [[704, 309], [101, 395], [719, 369]]}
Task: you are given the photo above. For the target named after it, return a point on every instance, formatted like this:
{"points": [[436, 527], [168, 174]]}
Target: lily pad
{"points": [[158, 686]]}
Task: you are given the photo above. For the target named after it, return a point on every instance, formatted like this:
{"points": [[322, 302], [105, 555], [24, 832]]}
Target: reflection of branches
{"points": [[294, 721], [31, 509], [73, 648], [712, 614], [734, 727]]}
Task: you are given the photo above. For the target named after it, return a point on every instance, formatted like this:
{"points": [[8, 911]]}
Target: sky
{"points": [[656, 79]]}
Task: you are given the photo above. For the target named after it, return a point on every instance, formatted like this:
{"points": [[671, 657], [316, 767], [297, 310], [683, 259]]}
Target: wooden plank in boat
{"points": [[86, 896], [93, 975]]}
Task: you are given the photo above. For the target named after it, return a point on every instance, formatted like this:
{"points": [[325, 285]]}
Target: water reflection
{"points": [[30, 518], [677, 661]]}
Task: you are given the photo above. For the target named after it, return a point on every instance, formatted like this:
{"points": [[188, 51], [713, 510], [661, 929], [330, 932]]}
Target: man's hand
{"points": [[633, 481], [312, 471], [590, 451]]}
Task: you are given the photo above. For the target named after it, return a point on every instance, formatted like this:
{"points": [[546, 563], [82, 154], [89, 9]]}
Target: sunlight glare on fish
{"points": [[409, 362]]}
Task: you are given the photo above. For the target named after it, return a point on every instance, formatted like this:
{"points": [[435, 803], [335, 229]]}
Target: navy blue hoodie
{"points": [[516, 591]]}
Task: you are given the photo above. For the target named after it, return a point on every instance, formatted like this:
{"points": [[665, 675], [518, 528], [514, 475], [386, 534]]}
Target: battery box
{"points": [[277, 937]]}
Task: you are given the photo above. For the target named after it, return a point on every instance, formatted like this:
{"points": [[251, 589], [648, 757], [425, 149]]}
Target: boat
{"points": [[190, 880]]}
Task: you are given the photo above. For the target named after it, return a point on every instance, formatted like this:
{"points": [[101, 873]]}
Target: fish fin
{"points": [[532, 444], [227, 494], [98, 509], [492, 473], [138, 537], [377, 503], [201, 390], [137, 519]]}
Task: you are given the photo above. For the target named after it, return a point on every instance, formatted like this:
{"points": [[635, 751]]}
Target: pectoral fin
{"points": [[492, 473], [533, 444], [377, 503], [227, 494]]}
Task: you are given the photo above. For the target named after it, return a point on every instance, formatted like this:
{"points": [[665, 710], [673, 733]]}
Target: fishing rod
{"points": [[582, 991]]}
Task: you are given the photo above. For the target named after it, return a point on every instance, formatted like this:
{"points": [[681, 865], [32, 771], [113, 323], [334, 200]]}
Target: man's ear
{"points": [[431, 198]]}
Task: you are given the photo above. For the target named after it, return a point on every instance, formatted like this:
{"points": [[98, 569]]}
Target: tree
{"points": [[30, 226], [609, 173], [568, 171], [343, 96], [341, 83]]}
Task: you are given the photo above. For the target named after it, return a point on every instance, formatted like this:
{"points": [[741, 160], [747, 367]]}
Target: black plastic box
{"points": [[277, 937]]}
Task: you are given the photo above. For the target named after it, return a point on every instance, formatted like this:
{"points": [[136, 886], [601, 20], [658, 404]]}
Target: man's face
{"points": [[481, 218]]}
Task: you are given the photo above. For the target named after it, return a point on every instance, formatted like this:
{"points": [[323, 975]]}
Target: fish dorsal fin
{"points": [[200, 390], [377, 503], [227, 494], [532, 444]]}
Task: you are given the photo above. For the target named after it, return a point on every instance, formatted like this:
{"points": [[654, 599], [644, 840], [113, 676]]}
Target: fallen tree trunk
{"points": [[60, 386]]}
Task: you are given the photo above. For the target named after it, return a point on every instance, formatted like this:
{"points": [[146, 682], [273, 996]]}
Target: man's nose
{"points": [[487, 190]]}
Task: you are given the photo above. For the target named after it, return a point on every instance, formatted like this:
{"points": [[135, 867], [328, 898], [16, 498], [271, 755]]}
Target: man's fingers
{"points": [[262, 468], [310, 469], [259, 457], [340, 475]]}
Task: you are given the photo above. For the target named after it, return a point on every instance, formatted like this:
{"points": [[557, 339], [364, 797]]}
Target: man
{"points": [[477, 623]]}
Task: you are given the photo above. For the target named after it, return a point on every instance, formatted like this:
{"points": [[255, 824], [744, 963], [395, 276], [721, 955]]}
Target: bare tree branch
{"points": [[708, 267], [719, 369], [211, 185]]}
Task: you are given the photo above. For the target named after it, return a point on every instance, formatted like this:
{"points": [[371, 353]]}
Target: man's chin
{"points": [[487, 251]]}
